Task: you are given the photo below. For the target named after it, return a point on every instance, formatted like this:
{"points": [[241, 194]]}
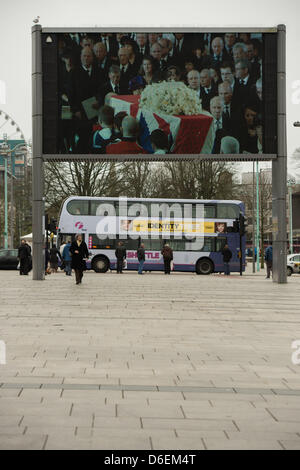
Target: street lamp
{"points": [[4, 152], [290, 183]]}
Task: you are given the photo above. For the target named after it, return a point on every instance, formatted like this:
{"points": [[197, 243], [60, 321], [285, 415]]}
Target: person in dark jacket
{"points": [[141, 257], [79, 251], [121, 256], [227, 255], [269, 260], [47, 259], [24, 255], [167, 253], [67, 259], [54, 253]]}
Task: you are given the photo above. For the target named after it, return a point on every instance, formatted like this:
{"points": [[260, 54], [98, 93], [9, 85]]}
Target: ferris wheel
{"points": [[9, 128]]}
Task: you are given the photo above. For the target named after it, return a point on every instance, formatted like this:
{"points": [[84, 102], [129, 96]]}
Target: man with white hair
{"points": [[130, 132], [193, 79], [216, 108], [218, 54], [231, 111], [244, 81], [208, 88], [230, 145], [102, 61], [166, 61], [239, 52], [127, 71]]}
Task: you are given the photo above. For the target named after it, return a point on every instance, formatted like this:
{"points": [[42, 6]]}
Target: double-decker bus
{"points": [[196, 230]]}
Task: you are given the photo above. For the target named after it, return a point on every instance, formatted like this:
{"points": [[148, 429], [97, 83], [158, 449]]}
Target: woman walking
{"points": [[79, 251]]}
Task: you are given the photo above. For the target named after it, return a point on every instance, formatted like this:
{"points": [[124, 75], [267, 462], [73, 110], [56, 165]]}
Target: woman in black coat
{"points": [[79, 251]]}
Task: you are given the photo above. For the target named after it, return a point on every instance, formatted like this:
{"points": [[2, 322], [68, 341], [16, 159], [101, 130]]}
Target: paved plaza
{"points": [[149, 362]]}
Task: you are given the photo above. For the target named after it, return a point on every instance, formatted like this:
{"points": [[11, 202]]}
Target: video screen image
{"points": [[160, 93]]}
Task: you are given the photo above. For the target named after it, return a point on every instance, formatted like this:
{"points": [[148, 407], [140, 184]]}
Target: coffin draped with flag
{"points": [[187, 134]]}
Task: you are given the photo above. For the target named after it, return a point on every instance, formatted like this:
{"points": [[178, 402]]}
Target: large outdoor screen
{"points": [[181, 93]]}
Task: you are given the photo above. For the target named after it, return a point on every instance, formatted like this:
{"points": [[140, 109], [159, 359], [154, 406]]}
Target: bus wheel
{"points": [[289, 271], [100, 264], [204, 266]]}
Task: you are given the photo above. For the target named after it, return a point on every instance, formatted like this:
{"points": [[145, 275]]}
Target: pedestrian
{"points": [[47, 259], [269, 260], [24, 256], [121, 256], [141, 257], [54, 253], [79, 251], [227, 255], [66, 255], [167, 253]]}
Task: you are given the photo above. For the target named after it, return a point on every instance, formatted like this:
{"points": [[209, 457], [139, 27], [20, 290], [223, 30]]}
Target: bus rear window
{"points": [[78, 207]]}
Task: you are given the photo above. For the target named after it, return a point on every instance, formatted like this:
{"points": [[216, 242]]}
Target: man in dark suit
{"points": [[230, 40], [156, 54], [111, 86], [208, 89], [110, 44], [216, 109], [253, 61], [165, 61], [102, 61], [244, 81], [182, 44], [85, 82], [126, 71], [219, 54], [231, 115], [142, 46], [84, 85]]}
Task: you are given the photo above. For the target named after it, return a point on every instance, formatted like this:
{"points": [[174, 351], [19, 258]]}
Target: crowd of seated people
{"points": [[225, 70]]}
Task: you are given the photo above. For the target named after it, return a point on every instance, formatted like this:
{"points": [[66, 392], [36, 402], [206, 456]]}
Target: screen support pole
{"points": [[279, 169], [38, 263]]}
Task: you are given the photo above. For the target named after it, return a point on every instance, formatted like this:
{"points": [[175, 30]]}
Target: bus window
{"points": [[78, 207], [102, 208], [200, 244], [228, 211], [130, 244], [137, 209], [209, 211], [156, 244], [102, 244]]}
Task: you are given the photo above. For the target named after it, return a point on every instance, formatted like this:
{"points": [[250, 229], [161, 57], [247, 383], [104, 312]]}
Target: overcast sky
{"points": [[17, 15]]}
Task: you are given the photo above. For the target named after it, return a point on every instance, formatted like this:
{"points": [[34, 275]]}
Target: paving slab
{"points": [[193, 362]]}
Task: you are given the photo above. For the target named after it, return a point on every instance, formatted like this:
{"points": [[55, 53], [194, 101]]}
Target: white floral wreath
{"points": [[173, 98]]}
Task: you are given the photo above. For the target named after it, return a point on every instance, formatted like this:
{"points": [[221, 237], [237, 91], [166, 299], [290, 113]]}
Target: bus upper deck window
{"points": [[78, 207]]}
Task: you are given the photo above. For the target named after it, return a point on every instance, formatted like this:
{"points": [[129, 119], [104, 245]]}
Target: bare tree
{"points": [[80, 179]]}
